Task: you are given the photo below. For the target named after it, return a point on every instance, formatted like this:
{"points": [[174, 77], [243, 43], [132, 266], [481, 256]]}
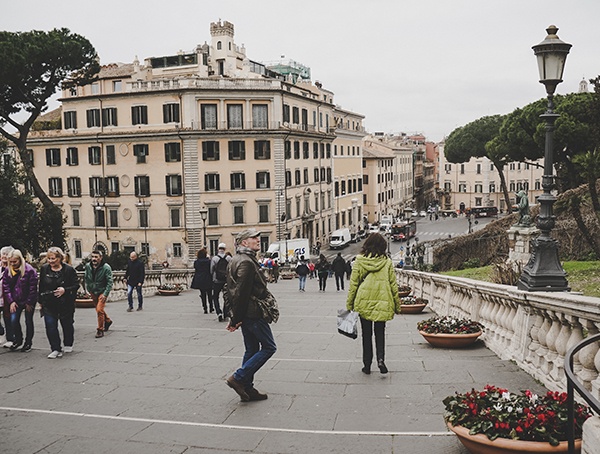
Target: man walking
{"points": [[134, 277], [98, 283], [245, 286], [218, 269], [339, 269]]}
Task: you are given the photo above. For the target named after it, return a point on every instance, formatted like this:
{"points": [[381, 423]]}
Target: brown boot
{"points": [[238, 388], [254, 394]]}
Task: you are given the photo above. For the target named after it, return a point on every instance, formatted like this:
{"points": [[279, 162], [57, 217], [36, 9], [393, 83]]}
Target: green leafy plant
{"points": [[449, 325], [498, 413], [176, 287], [404, 288]]}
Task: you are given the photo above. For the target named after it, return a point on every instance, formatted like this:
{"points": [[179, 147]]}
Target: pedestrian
{"points": [[218, 269], [203, 280], [322, 268], [19, 291], [98, 283], [275, 271], [373, 293], [339, 270], [6, 331], [302, 272], [57, 292], [245, 286], [311, 269], [134, 277], [349, 268]]}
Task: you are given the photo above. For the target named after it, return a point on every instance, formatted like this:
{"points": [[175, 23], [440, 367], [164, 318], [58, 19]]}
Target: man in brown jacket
{"points": [[246, 284]]}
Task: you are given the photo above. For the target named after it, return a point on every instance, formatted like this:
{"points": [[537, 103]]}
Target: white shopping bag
{"points": [[347, 322]]}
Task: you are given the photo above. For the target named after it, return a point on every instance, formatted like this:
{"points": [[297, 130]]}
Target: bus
{"points": [[483, 212], [403, 231]]}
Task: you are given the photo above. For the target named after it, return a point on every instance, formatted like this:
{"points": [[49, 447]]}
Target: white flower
{"points": [[498, 407], [533, 398], [506, 396], [509, 409]]}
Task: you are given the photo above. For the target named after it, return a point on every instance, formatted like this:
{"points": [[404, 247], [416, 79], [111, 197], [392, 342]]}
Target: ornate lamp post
{"points": [[204, 216], [544, 272]]}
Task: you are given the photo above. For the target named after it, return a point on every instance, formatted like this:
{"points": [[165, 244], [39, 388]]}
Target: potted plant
{"points": [[450, 332], [404, 290], [412, 304], [170, 289], [83, 299], [497, 421]]}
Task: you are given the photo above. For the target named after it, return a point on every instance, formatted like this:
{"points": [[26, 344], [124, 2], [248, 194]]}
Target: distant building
{"points": [[148, 147]]}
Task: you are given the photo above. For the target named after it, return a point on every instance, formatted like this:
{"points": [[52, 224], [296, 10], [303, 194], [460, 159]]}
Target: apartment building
{"points": [[186, 150], [477, 182]]}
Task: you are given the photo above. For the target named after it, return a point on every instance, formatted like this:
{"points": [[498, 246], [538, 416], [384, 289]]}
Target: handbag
{"points": [[269, 308], [347, 323]]}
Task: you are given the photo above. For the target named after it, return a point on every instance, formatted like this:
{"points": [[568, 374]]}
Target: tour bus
{"points": [[403, 231], [483, 212]]}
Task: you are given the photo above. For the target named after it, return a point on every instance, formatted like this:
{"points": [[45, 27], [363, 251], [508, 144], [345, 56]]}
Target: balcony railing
{"points": [[203, 83]]}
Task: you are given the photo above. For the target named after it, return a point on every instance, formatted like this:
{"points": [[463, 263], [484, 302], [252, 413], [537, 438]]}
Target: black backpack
{"points": [[221, 269]]}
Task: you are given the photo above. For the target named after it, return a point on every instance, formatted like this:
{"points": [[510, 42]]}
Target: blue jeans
{"points": [[15, 322], [66, 321], [302, 281], [138, 289], [260, 346]]}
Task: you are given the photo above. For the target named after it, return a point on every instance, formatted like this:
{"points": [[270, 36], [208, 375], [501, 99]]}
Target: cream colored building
{"points": [[477, 183], [150, 146]]}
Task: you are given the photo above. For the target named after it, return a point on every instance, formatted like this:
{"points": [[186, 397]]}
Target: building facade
{"points": [[186, 150]]}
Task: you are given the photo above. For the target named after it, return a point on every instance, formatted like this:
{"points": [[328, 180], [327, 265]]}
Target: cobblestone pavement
{"points": [[155, 384]]}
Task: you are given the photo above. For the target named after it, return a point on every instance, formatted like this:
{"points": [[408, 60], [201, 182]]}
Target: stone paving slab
{"points": [[155, 384]]}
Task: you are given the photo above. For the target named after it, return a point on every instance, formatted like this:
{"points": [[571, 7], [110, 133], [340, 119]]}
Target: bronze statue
{"points": [[523, 204]]}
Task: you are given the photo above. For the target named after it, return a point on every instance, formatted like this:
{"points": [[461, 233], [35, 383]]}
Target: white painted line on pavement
{"points": [[228, 426]]}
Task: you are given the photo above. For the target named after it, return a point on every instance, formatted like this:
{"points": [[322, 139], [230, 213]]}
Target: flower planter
{"points": [[450, 340], [84, 302], [169, 292], [402, 294], [481, 444], [412, 308]]}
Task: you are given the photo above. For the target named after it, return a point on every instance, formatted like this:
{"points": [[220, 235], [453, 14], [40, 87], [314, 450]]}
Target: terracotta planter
{"points": [[450, 340], [481, 444], [412, 308], [169, 292], [403, 294], [84, 302]]}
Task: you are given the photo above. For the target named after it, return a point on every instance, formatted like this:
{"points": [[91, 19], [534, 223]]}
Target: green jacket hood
{"points": [[371, 264]]}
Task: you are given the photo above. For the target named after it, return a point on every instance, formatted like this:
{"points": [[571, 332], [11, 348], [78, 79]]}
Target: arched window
{"points": [[218, 45]]}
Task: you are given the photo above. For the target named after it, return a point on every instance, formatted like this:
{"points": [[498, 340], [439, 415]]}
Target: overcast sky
{"points": [[409, 66]]}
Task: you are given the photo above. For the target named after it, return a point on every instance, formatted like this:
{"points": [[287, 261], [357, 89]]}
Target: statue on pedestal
{"points": [[524, 215]]}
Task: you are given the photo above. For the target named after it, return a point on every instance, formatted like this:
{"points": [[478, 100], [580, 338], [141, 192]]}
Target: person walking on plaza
{"points": [[302, 271], [98, 283], [245, 285], [4, 308], [373, 293], [339, 270], [202, 280], [134, 277], [218, 269], [57, 292], [322, 268], [19, 291]]}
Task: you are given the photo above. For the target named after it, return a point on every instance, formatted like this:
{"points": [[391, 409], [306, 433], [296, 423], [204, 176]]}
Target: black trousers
{"points": [[367, 340]]}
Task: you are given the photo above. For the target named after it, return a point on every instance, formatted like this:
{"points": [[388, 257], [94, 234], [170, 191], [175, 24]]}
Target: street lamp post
{"points": [[97, 209], [544, 272], [204, 216]]}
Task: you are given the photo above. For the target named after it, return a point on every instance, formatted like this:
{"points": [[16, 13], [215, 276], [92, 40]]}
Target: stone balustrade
{"points": [[153, 280], [534, 329]]}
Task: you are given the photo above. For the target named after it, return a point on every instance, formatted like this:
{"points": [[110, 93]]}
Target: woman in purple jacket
{"points": [[19, 290]]}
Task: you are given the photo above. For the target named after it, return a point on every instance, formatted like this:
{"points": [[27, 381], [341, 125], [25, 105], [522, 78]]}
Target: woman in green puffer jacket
{"points": [[373, 294]]}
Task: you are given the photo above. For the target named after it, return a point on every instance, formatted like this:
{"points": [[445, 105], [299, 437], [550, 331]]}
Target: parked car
{"points": [[373, 229], [422, 213], [414, 214]]}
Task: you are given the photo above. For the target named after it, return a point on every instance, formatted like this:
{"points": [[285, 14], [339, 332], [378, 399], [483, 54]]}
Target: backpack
{"points": [[221, 269], [302, 269]]}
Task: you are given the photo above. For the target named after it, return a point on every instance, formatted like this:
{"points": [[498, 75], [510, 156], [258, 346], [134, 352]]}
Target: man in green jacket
{"points": [[98, 283]]}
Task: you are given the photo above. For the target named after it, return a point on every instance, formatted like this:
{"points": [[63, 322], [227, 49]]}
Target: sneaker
{"points": [[255, 395], [8, 344], [139, 308], [238, 388], [68, 349], [366, 370], [55, 354], [26, 348], [14, 346], [99, 333], [107, 325], [130, 309], [221, 317], [382, 367]]}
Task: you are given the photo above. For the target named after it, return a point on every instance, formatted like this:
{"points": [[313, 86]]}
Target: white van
{"points": [[339, 239]]}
